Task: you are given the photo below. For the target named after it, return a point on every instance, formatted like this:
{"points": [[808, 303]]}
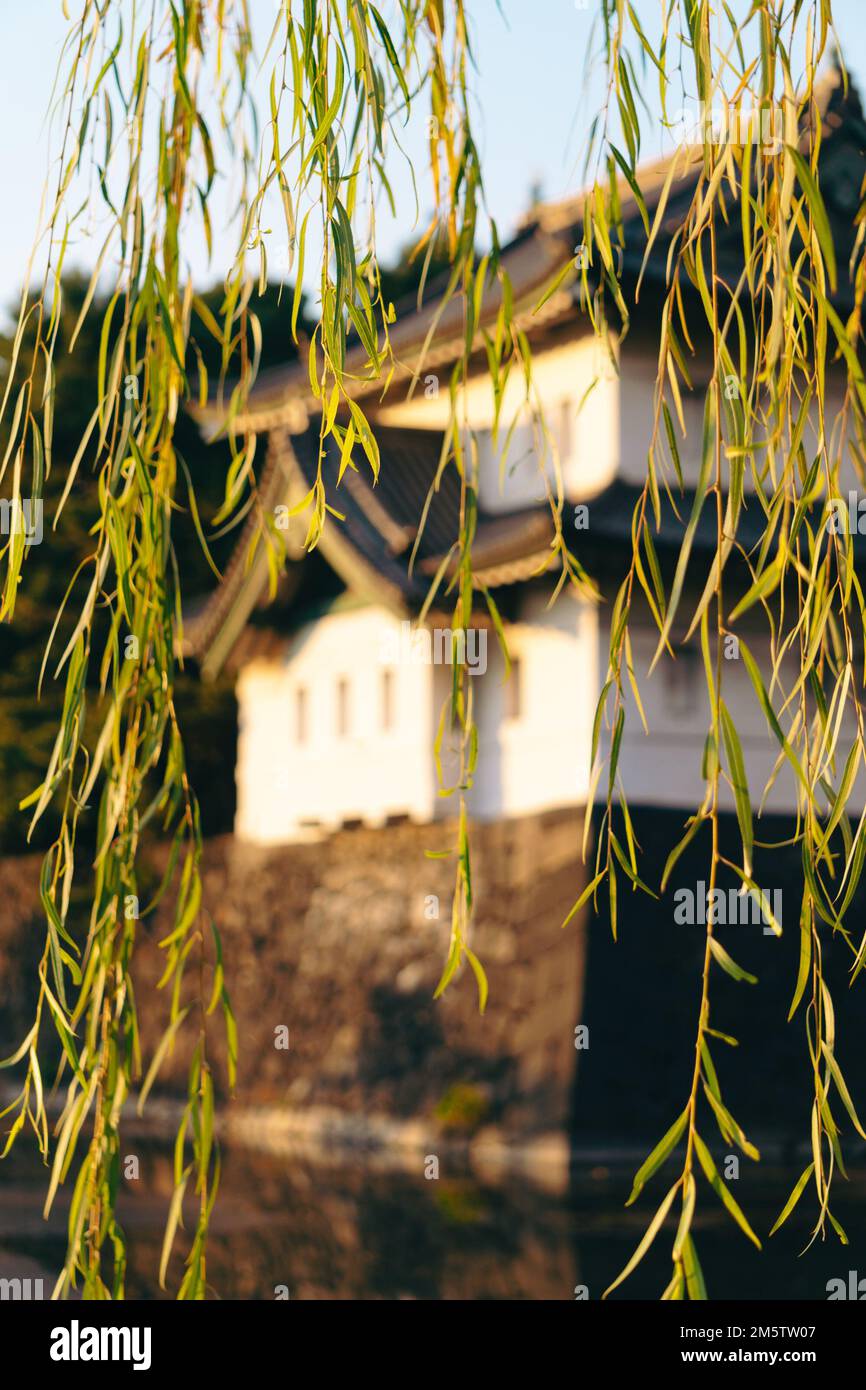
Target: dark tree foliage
{"points": [[27, 725]]}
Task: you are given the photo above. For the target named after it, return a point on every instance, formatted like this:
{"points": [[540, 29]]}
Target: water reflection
{"points": [[347, 1232]]}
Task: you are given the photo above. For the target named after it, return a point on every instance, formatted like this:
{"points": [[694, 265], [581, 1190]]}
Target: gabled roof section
{"points": [[282, 396], [544, 246], [370, 550]]}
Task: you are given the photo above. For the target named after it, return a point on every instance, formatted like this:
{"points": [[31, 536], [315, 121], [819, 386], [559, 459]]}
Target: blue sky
{"points": [[533, 111]]}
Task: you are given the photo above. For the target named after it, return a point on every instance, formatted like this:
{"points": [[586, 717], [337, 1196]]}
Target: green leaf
{"points": [[735, 971], [173, 1221], [737, 774], [391, 51], [763, 586], [691, 832], [799, 1188], [649, 1236], [770, 714], [627, 868], [480, 977], [692, 526], [585, 896], [842, 1088], [688, 1211], [820, 220], [159, 1056], [697, 1289], [662, 1150], [729, 1128], [713, 1178]]}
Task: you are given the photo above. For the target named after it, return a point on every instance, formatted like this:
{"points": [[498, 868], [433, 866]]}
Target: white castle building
{"points": [[339, 708]]}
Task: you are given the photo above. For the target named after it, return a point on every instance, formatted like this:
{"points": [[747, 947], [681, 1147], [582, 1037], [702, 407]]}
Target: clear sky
{"points": [[533, 106]]}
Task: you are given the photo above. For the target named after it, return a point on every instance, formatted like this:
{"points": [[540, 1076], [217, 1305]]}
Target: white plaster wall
{"points": [[664, 768], [536, 761], [601, 423], [579, 392], [540, 759], [286, 788], [637, 413]]}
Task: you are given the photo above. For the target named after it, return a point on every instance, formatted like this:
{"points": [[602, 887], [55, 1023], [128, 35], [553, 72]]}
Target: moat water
{"points": [[288, 1227]]}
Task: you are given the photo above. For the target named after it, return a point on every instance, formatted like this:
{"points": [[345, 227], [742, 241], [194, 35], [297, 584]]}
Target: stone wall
{"points": [[338, 942], [332, 941]]}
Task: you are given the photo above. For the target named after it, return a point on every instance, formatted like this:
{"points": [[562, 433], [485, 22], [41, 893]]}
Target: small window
{"points": [[342, 708], [387, 700], [301, 730], [514, 691]]}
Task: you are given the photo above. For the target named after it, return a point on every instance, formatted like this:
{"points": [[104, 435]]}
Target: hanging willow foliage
{"points": [[775, 333], [155, 101]]}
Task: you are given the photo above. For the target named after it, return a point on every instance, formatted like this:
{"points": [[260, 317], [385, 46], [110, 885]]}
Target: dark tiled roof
{"points": [[372, 546], [612, 511], [382, 521]]}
